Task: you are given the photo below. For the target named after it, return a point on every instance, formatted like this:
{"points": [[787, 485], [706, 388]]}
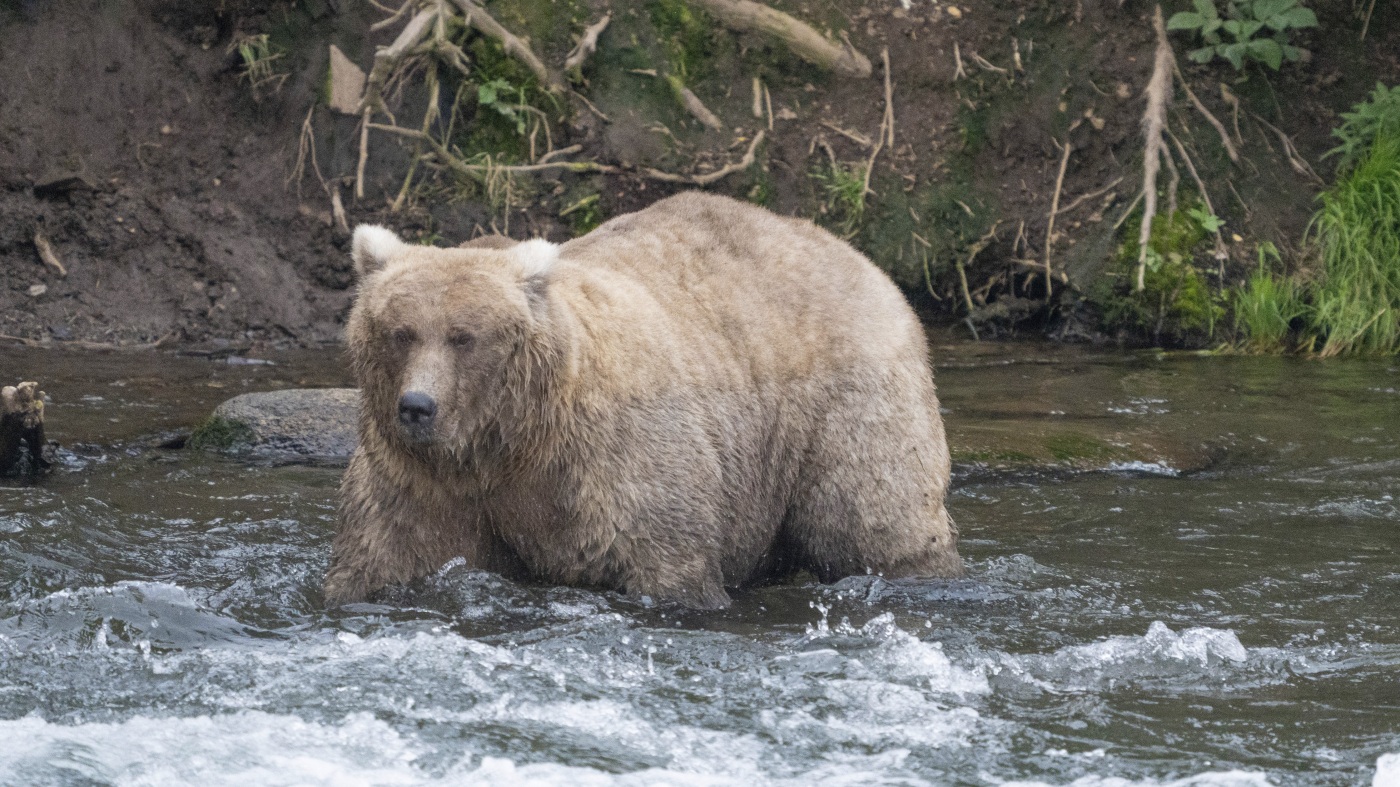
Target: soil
{"points": [[163, 181]]}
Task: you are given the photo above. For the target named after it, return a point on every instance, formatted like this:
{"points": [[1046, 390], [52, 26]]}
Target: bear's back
{"points": [[785, 295]]}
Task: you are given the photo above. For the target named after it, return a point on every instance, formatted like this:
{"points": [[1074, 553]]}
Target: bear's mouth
{"points": [[417, 434]]}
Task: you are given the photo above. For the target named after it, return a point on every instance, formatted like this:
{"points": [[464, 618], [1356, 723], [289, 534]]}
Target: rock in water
{"points": [[314, 423]]}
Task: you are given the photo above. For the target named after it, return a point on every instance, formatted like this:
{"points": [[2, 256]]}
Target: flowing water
{"points": [[1237, 624]]}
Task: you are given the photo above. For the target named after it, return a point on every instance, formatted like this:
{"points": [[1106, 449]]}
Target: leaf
{"points": [[1248, 29], [1294, 18], [1235, 54], [1291, 53], [1268, 9], [1203, 55], [1206, 8], [1186, 21], [1267, 50]]}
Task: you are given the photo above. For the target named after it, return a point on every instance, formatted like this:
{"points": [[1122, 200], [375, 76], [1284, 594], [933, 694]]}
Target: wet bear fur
{"points": [[698, 396]]}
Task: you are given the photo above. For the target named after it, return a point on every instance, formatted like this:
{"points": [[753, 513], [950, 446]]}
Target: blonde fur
{"points": [[698, 396]]}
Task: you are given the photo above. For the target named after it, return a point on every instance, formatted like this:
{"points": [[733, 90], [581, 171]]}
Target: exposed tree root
{"points": [[801, 38], [587, 45], [1154, 120]]}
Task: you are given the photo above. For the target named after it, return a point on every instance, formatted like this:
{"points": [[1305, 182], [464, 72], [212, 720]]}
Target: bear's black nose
{"points": [[416, 409]]}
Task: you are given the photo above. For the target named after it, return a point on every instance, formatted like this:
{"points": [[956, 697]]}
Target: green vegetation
{"points": [[1245, 20], [1177, 302], [1356, 305], [1070, 446], [843, 193], [1267, 306], [259, 57]]}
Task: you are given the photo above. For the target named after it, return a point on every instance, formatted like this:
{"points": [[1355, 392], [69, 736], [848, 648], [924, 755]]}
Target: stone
{"points": [[314, 423]]}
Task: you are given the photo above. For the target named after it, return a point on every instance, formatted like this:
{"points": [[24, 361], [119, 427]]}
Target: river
{"points": [[1232, 622]]}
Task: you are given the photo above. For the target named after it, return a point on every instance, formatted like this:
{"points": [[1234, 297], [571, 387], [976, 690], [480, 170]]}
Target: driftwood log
{"points": [[21, 428]]}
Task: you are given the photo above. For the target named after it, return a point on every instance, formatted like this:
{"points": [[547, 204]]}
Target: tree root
{"points": [[1154, 120], [804, 41], [21, 428], [587, 45], [513, 46]]}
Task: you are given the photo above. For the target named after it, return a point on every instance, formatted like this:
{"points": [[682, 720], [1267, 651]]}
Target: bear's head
{"points": [[440, 338]]}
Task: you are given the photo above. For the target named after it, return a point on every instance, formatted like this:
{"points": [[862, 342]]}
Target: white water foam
{"points": [[1387, 771]]}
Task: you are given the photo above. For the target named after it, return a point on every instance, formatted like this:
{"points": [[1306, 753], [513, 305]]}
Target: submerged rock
{"points": [[315, 423]]}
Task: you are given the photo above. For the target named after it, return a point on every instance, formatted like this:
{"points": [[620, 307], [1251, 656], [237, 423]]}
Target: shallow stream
{"points": [[1234, 624]]}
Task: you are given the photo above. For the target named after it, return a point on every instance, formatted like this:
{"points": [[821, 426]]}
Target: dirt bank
{"points": [[131, 142]]}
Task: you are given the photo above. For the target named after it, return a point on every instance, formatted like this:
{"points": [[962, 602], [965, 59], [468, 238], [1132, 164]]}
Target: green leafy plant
{"points": [[1376, 117], [493, 94], [1209, 222], [1266, 307], [259, 56], [844, 187], [1245, 20]]}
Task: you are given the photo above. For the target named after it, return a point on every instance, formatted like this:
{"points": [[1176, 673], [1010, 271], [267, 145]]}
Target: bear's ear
{"points": [[373, 248]]}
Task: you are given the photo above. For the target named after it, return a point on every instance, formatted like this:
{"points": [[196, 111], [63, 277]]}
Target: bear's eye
{"points": [[403, 336], [462, 340]]}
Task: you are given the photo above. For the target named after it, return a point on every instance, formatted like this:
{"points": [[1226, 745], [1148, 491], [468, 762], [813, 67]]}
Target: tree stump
{"points": [[22, 429]]}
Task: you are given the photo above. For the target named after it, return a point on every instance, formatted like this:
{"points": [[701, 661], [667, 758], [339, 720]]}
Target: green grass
{"points": [[843, 189], [1356, 304], [1265, 308]]}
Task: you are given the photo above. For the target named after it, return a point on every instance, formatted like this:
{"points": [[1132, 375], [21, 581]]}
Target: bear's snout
{"points": [[416, 410]]}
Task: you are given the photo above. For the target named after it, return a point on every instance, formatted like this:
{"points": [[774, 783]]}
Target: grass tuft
{"points": [[1356, 304]]}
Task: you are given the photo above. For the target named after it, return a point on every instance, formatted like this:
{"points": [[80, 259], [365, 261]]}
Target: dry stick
{"points": [[757, 98], [1295, 159], [854, 136], [383, 23], [1054, 210], [513, 46], [338, 210], [959, 72], [885, 119], [711, 177], [1210, 118], [385, 59], [1220, 253], [1082, 198], [801, 38], [588, 44], [694, 105], [47, 255], [768, 106], [1367, 25], [1126, 213], [452, 162], [569, 151], [1153, 121], [1234, 102]]}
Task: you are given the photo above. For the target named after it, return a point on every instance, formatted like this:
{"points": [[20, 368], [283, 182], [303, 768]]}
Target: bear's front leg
{"points": [[396, 527]]}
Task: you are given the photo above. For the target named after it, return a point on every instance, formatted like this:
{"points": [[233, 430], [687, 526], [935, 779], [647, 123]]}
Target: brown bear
{"points": [[698, 396]]}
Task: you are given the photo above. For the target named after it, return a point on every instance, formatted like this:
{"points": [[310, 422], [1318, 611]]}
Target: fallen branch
{"points": [[804, 41], [1054, 210], [1154, 119], [513, 46], [48, 256], [588, 44]]}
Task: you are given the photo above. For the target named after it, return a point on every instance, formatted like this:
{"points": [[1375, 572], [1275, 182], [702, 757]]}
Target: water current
{"points": [[1236, 622]]}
